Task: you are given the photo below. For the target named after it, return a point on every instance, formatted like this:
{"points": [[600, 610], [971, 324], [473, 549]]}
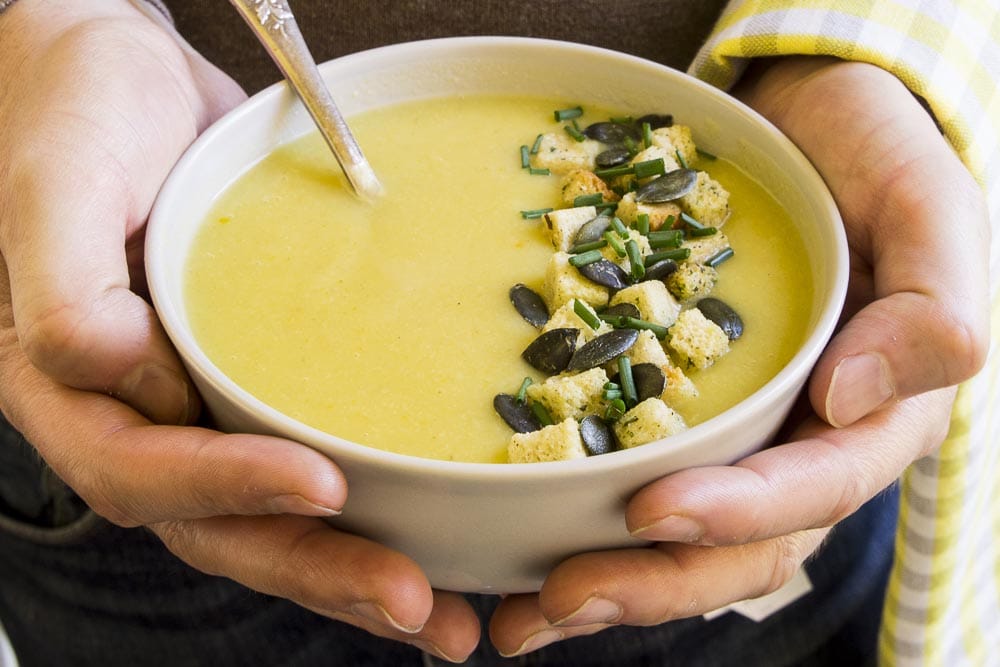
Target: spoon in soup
{"points": [[274, 25]]}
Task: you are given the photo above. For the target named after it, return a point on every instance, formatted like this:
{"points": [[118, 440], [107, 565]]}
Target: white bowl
{"points": [[489, 527]]}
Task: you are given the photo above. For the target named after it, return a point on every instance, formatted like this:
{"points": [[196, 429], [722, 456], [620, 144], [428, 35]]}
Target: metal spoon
{"points": [[273, 23]]}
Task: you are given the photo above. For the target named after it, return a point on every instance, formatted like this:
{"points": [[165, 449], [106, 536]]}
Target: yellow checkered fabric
{"points": [[943, 602]]}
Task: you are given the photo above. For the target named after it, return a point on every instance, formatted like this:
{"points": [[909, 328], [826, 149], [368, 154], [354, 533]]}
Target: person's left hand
{"points": [[881, 392]]}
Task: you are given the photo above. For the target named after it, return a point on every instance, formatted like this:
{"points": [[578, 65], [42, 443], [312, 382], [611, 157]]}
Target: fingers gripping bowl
{"points": [[482, 526]]}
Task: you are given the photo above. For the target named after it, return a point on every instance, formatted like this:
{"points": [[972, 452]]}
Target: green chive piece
{"points": [[611, 394], [620, 228], [616, 409], [610, 385], [627, 381], [705, 154], [631, 146], [535, 213], [617, 321], [573, 132], [584, 247], [568, 114], [525, 157], [649, 168], [642, 223], [615, 243], [680, 159], [704, 231], [585, 258], [669, 222], [535, 146], [677, 254], [635, 260], [576, 125], [538, 172], [667, 238], [719, 257], [658, 330], [691, 221], [611, 172], [647, 135], [592, 199], [608, 206], [543, 416], [584, 312], [522, 392], [622, 120]]}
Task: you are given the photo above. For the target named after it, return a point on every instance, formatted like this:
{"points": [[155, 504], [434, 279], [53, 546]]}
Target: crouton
{"points": [[696, 340], [582, 182], [552, 443], [678, 386], [704, 247], [611, 254], [629, 209], [708, 202], [566, 318], [571, 395], [564, 282], [691, 282], [648, 421], [560, 153], [564, 224], [653, 300], [676, 138]]}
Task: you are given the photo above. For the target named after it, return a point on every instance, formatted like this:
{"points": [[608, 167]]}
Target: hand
{"points": [[99, 99], [915, 325]]}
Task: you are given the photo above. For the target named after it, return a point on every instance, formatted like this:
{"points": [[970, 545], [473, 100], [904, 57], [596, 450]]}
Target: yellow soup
{"points": [[390, 324]]}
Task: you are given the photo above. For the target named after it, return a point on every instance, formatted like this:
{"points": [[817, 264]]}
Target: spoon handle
{"points": [[274, 25]]}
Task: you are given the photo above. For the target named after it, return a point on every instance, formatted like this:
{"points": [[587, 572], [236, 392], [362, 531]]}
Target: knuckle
{"points": [[53, 336], [786, 555], [964, 343]]}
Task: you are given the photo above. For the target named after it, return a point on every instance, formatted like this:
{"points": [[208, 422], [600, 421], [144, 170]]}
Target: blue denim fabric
{"points": [[77, 591]]}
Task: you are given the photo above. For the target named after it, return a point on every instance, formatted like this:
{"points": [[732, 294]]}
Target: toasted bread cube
{"points": [[560, 153], [659, 214], [653, 300], [647, 349], [678, 385], [557, 442], [565, 223], [708, 203], [564, 282], [676, 138], [566, 318], [611, 254], [696, 340], [692, 282], [571, 394], [704, 247], [583, 182], [648, 421], [657, 152]]}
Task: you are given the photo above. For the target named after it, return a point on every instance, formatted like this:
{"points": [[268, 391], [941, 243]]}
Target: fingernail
{"points": [[673, 528], [859, 385], [434, 649], [154, 390], [535, 642], [376, 612], [594, 610], [293, 503]]}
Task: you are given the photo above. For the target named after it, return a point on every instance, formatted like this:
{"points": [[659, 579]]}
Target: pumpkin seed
{"points": [[530, 305], [622, 310], [649, 381], [660, 270], [612, 157], [723, 315], [603, 349], [518, 415], [655, 120], [607, 273], [551, 352], [596, 436], [592, 230], [668, 187], [609, 132]]}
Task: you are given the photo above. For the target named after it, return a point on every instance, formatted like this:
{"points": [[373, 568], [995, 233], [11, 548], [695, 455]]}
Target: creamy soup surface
{"points": [[390, 324]]}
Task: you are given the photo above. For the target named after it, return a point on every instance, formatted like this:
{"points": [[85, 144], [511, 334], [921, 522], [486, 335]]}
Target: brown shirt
{"points": [[667, 31]]}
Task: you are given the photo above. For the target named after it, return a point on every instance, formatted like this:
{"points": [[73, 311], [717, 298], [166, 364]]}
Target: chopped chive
{"points": [[669, 222], [705, 154], [719, 257], [611, 172], [616, 409], [627, 381], [642, 223], [658, 330], [592, 199], [704, 231], [622, 120], [535, 213], [535, 146], [647, 135], [667, 238], [680, 159], [610, 385], [522, 392], [691, 221], [576, 125], [538, 172], [525, 157], [586, 314], [543, 416], [617, 321], [615, 243], [620, 228], [633, 148], [584, 247], [649, 168], [635, 260], [585, 258], [573, 132], [611, 394], [608, 207], [568, 114], [677, 254]]}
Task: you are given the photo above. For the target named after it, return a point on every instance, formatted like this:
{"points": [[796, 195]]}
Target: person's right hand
{"points": [[98, 100]]}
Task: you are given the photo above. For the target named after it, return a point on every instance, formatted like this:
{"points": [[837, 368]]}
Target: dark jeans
{"points": [[75, 590]]}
